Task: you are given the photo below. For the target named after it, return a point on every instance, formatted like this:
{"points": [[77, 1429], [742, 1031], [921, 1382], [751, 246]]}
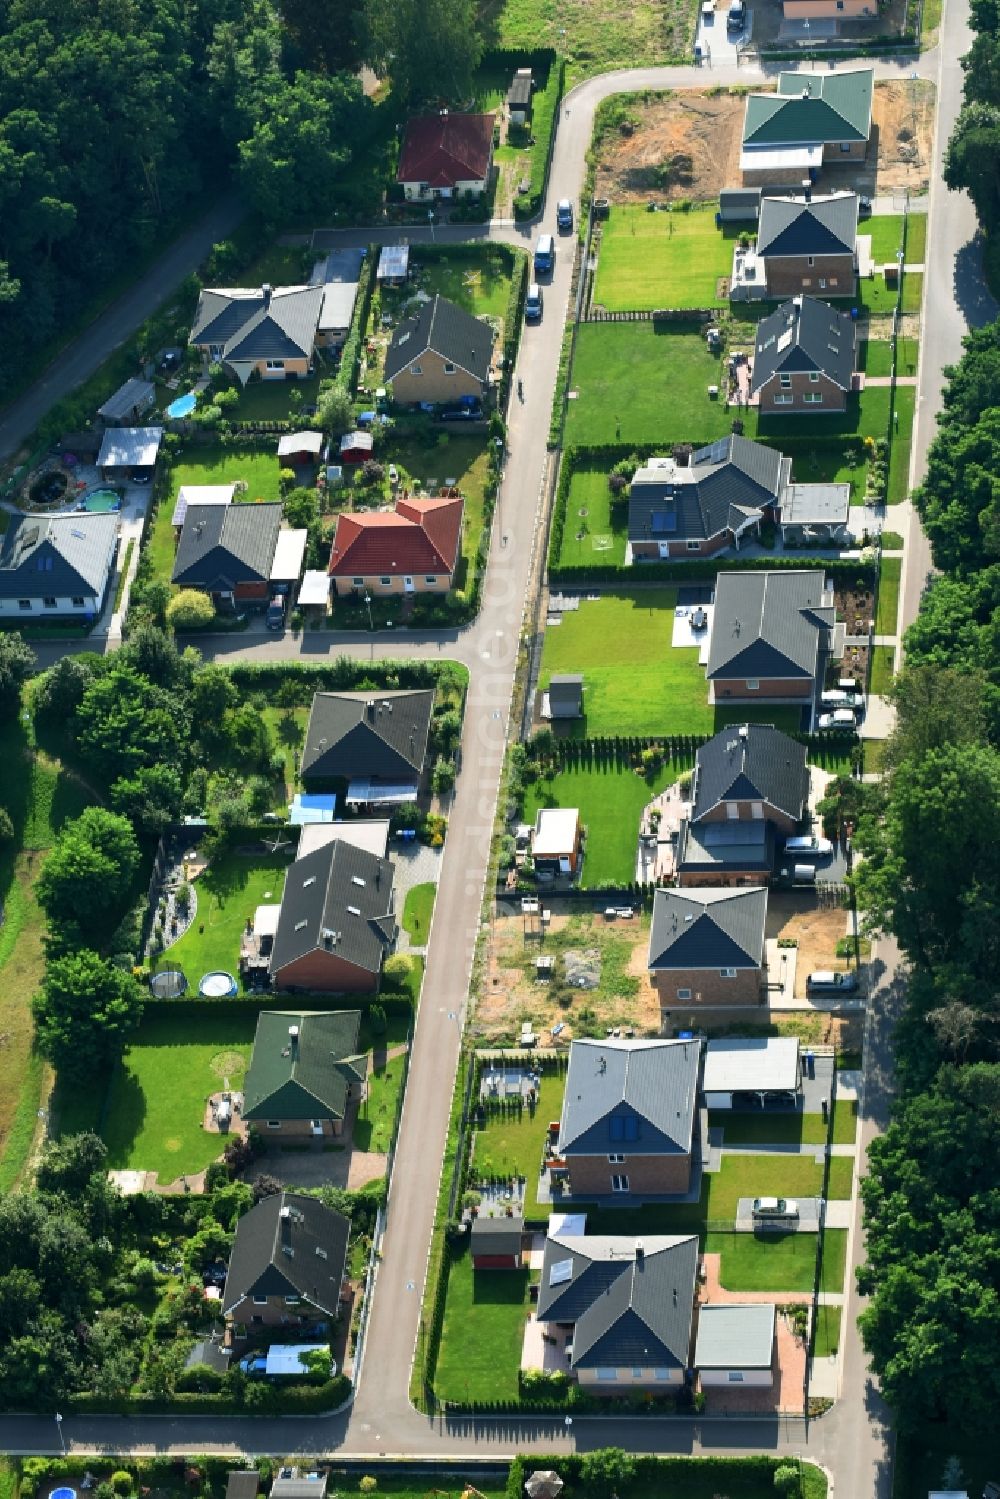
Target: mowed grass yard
{"points": [[888, 595], [672, 259], [210, 465], [512, 1144], [787, 1129], [635, 681], [902, 438], [482, 1333], [418, 909], [229, 891], [610, 798]]}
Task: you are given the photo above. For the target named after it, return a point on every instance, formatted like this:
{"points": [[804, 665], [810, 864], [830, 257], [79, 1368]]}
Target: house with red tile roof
{"points": [[411, 549], [445, 156]]}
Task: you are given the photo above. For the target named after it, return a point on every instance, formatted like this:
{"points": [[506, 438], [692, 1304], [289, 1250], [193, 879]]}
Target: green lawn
{"points": [[512, 1144], [610, 799], [739, 1176], [907, 353], [841, 1177], [448, 456], [594, 38], [595, 530], [482, 1333], [883, 659], [913, 291], [156, 1099], [834, 1260], [272, 400], [481, 288], [888, 595], [902, 436], [886, 232], [229, 891], [635, 682], [916, 238], [875, 356], [674, 259], [826, 1331], [257, 467], [644, 382], [377, 1114], [765, 1262], [787, 1129], [892, 541], [417, 910]]}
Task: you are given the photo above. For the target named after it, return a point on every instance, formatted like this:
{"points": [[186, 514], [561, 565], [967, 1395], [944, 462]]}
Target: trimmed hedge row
{"points": [[297, 1400], [545, 112], [340, 675], [347, 375]]}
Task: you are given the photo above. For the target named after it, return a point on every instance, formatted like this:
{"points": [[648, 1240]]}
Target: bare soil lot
{"points": [[687, 145], [816, 928]]}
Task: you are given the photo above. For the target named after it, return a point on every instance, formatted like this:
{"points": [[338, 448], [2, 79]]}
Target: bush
{"points": [[121, 1481], [377, 1019], [396, 973], [443, 776], [368, 1484], [190, 610], [787, 1479], [6, 826]]}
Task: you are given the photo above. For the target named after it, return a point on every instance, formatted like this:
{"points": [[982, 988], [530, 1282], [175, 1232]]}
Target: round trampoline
{"points": [[169, 983], [217, 985]]}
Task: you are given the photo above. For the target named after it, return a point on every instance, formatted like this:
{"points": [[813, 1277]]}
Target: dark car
{"points": [[564, 215], [460, 414], [276, 613], [141, 475]]}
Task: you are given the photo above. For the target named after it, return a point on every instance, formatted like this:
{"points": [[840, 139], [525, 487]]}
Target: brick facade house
{"points": [[287, 1264], [441, 355], [305, 1073], [228, 551], [771, 636], [412, 549], [706, 948], [804, 360]]}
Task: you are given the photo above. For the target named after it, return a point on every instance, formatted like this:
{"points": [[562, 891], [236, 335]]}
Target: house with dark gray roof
{"points": [[56, 566], [628, 1124], [747, 772], [803, 245], [771, 636], [378, 739], [337, 922], [624, 1305], [287, 1263], [735, 1345], [706, 948], [804, 360], [441, 355], [228, 551], [265, 331], [697, 506], [305, 1072], [812, 118]]}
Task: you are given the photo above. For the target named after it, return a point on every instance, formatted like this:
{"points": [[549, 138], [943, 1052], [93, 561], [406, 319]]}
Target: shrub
{"points": [[121, 1481], [368, 1484], [443, 776], [6, 826], [377, 1019], [396, 973], [786, 1479], [372, 472], [190, 610]]}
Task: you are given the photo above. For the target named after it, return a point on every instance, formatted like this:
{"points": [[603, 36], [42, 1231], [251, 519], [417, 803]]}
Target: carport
{"points": [[761, 1072]]}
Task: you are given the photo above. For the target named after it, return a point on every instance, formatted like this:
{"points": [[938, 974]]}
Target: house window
{"points": [[661, 1373], [736, 1376], [784, 400], [807, 281], [386, 582], [845, 145], [258, 1320], [822, 283], [753, 685], [292, 1300], [636, 1373], [785, 382], [431, 580], [274, 1124], [358, 582], [24, 603], [260, 1301], [415, 369], [619, 1183], [840, 4], [813, 398], [605, 1375], [274, 364], [78, 601], [757, 810], [694, 546], [810, 261], [616, 1160], [684, 994], [49, 603], [833, 281], [814, 377], [733, 811], [727, 973], [449, 369]]}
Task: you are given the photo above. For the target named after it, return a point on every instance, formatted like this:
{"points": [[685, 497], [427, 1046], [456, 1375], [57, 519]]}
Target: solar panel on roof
{"points": [[561, 1272], [664, 520]]}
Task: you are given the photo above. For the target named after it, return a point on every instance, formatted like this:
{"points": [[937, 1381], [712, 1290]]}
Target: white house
{"points": [[57, 565]]}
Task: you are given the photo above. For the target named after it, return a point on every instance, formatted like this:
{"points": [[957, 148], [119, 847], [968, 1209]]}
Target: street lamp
{"points": [[59, 1429], [430, 220], [368, 606]]}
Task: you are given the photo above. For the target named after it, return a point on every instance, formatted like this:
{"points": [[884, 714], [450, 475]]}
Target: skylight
{"points": [[561, 1272]]}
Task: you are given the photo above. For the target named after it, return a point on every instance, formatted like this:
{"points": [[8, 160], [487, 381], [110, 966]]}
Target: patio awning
{"points": [[375, 793], [315, 807], [265, 920], [315, 587], [393, 262], [130, 447]]}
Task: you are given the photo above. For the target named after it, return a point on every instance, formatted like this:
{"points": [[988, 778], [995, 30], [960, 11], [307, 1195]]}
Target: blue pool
{"points": [[184, 405], [100, 501]]}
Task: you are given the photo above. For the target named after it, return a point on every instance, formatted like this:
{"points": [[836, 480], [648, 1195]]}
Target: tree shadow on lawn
{"points": [[126, 1115], [230, 875], [499, 1287]]}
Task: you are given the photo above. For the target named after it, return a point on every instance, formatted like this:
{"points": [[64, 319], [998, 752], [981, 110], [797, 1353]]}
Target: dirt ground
{"points": [[624, 997], [816, 928], [687, 145]]}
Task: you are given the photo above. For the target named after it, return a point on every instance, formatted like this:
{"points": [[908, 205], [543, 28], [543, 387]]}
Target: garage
{"points": [[743, 1073]]}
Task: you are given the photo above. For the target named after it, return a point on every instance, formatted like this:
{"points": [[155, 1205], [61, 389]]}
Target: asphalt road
{"points": [[853, 1440], [118, 322]]}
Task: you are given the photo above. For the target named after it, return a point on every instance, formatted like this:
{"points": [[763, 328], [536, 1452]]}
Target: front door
{"points": [[316, 1126], [408, 585]]}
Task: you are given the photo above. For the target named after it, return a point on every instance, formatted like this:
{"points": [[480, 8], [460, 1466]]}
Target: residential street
{"points": [[853, 1440]]}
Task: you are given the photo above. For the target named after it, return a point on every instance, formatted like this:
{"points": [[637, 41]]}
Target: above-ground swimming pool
{"points": [[100, 501], [184, 405], [217, 985], [63, 1494]]}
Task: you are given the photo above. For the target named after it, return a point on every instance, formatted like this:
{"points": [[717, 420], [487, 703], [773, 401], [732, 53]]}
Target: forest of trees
{"points": [[117, 117]]}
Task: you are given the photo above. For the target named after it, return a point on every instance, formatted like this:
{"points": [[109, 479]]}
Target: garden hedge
{"points": [[347, 374], [297, 1400], [543, 62]]}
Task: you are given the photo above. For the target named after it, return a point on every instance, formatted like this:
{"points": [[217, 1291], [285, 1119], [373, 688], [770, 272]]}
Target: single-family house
{"points": [[440, 356], [752, 1072], [803, 245], [228, 551], [128, 402], [339, 274], [629, 1114], [804, 359], [734, 1345], [129, 451], [305, 1072], [556, 841], [287, 1264], [413, 548], [563, 698], [446, 155], [519, 97], [337, 922], [696, 507], [771, 636], [266, 331], [496, 1243], [627, 1305], [356, 447], [56, 565], [380, 739], [812, 118], [706, 948], [748, 773]]}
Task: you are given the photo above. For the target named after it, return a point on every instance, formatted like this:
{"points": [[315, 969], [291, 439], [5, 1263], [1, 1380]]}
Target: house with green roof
{"points": [[305, 1073], [812, 119]]}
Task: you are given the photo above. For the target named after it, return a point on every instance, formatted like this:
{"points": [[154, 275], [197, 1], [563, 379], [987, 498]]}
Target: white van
{"points": [[808, 843]]}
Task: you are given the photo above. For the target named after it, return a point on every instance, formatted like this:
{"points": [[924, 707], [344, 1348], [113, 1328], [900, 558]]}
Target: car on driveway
{"points": [[533, 304], [806, 845], [840, 718], [825, 981], [836, 697]]}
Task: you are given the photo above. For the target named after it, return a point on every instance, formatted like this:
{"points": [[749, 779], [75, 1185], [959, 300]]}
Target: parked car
{"points": [[808, 843], [460, 414], [625, 913], [775, 1209], [839, 697], [736, 16], [564, 215], [545, 253], [254, 1364], [141, 475], [275, 619], [533, 304], [840, 718], [825, 981]]}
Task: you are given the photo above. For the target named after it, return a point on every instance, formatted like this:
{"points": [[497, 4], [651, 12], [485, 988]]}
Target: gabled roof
{"points": [[445, 149], [639, 1091], [222, 545], [735, 1337], [447, 330], [725, 484], [421, 536], [60, 556], [382, 736], [307, 1076], [804, 334], [337, 899], [630, 1301], [134, 396], [707, 929], [288, 1245], [751, 763], [259, 323], [823, 226], [811, 108], [769, 624]]}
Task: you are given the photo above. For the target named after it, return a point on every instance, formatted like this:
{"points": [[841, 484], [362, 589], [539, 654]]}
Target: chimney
{"points": [[266, 290], [370, 709], [293, 1037], [285, 1224], [640, 1251]]}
